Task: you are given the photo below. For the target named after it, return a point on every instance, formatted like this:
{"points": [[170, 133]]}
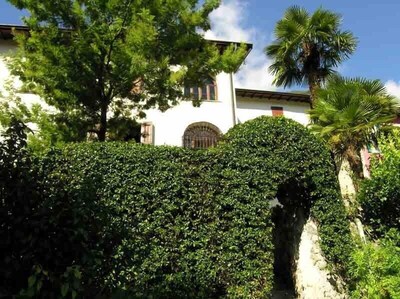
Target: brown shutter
{"points": [[147, 133], [277, 111]]}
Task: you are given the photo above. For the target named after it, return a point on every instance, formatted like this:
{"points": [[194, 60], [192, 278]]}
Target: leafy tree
{"points": [[347, 114], [47, 128], [308, 48], [93, 57]]}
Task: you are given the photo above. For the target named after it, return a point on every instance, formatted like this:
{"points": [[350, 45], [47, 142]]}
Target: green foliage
{"points": [[280, 152], [48, 127], [308, 48], [31, 236], [134, 221], [55, 129], [165, 221], [376, 268], [346, 115], [18, 198], [84, 56], [380, 195]]}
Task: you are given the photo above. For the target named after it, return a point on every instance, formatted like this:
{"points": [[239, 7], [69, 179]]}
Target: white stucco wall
{"points": [[249, 108], [7, 48], [169, 126]]}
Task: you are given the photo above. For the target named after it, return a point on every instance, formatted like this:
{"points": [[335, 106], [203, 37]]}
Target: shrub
{"points": [[375, 268], [138, 221], [162, 224], [19, 209], [379, 196]]}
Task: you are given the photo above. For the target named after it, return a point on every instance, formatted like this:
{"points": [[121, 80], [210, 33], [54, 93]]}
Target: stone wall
{"points": [[312, 278]]}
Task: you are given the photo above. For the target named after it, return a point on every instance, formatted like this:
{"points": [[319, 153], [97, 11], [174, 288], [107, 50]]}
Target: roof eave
{"points": [[273, 95]]}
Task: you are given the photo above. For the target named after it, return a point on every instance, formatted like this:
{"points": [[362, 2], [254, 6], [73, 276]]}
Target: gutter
{"points": [[233, 95]]}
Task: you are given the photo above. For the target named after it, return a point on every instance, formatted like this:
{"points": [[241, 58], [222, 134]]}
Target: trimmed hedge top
{"points": [[165, 222]]}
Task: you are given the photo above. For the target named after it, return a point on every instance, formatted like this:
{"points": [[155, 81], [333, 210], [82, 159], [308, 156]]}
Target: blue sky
{"points": [[376, 24]]}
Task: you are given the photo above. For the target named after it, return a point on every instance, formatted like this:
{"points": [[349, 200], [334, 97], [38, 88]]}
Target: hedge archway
{"points": [[280, 159]]}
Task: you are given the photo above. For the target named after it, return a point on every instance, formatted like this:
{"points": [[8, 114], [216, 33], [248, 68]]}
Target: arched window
{"points": [[201, 135], [206, 92]]}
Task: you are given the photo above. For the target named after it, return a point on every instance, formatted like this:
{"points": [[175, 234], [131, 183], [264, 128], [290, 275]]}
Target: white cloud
{"points": [[227, 23], [393, 88]]}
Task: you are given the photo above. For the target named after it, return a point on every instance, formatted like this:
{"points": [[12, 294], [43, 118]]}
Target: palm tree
{"points": [[348, 113], [308, 48]]}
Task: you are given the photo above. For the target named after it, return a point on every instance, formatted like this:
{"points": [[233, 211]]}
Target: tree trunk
{"points": [[313, 85], [103, 121], [356, 166], [311, 64]]}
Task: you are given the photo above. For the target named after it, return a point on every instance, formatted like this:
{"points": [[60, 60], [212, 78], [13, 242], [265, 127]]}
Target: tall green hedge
{"points": [[137, 221]]}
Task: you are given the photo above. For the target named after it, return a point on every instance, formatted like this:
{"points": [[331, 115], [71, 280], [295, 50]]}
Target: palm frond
{"points": [[308, 48], [347, 112]]}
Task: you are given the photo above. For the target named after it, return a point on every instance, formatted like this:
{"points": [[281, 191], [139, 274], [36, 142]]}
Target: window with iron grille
{"points": [[201, 135], [206, 92]]}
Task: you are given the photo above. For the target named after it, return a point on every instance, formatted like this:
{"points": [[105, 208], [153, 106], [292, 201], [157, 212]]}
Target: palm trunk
{"points": [[103, 121], [356, 166], [313, 85]]}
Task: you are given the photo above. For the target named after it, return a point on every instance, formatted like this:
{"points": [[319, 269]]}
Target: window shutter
{"points": [[277, 111], [147, 133]]}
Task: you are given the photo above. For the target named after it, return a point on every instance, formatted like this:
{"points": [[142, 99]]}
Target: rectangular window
{"points": [[212, 93], [195, 92], [186, 91], [277, 111], [205, 92]]}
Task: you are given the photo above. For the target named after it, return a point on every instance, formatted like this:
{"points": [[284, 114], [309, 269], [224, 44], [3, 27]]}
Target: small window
{"points": [[206, 92], [277, 111], [201, 135]]}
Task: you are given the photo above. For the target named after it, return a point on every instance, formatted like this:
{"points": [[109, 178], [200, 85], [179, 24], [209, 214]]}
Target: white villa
{"points": [[223, 106]]}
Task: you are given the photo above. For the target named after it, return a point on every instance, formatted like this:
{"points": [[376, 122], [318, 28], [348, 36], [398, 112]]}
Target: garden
{"points": [[113, 218]]}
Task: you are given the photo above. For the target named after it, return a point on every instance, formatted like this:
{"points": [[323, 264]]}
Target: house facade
{"points": [[222, 106]]}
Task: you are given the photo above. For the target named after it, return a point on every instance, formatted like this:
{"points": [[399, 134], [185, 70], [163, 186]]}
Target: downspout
{"points": [[233, 94]]}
